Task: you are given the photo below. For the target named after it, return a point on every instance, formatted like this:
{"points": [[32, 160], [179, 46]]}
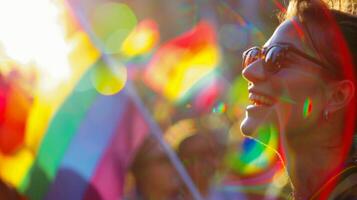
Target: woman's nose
{"points": [[254, 72]]}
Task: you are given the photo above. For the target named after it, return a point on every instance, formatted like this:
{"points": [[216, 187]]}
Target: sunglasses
{"points": [[274, 56]]}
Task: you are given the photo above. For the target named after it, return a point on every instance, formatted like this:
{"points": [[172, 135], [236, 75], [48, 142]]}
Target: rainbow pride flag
{"points": [[87, 147], [78, 142], [179, 64]]}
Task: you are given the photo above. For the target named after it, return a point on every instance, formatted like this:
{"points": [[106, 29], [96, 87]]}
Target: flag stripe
{"points": [[108, 179], [57, 138], [87, 147]]}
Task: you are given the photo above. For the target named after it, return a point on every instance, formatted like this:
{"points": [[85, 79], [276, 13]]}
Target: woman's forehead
{"points": [[290, 31]]}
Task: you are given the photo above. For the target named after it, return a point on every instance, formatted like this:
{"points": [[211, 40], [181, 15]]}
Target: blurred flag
{"points": [[15, 105], [75, 142], [142, 39], [87, 147], [180, 63], [15, 166]]}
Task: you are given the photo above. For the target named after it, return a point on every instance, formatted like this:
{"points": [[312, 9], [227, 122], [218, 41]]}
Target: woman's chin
{"points": [[248, 127]]}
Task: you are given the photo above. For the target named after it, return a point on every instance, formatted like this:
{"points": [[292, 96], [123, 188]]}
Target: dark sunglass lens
{"points": [[250, 56], [273, 58]]}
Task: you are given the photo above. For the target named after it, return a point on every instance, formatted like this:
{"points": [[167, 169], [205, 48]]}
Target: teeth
{"points": [[260, 100]]}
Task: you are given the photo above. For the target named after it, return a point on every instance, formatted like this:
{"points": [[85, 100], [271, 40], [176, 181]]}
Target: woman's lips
{"points": [[260, 100]]}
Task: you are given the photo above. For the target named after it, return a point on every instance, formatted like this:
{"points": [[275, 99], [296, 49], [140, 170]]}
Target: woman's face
{"points": [[291, 99]]}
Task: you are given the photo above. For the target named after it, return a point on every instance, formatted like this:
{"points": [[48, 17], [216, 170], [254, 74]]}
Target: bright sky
{"points": [[31, 34]]}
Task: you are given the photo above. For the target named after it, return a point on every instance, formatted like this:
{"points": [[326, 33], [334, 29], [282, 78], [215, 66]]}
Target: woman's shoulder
{"points": [[349, 194], [346, 188]]}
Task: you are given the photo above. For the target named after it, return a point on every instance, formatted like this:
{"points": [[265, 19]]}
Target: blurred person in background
{"points": [[202, 154], [302, 82], [155, 176]]}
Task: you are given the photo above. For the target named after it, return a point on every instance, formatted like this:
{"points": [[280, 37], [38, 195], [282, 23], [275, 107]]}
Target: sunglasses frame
{"points": [[286, 48]]}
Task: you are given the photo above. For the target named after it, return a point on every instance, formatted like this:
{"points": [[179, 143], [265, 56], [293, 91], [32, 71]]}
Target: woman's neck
{"points": [[310, 172], [312, 159]]}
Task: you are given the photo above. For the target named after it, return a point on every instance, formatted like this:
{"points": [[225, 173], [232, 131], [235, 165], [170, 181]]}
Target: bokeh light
{"points": [[108, 80], [112, 23]]}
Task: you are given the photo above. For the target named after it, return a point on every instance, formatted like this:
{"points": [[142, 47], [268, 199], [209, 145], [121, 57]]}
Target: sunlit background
{"points": [[84, 82]]}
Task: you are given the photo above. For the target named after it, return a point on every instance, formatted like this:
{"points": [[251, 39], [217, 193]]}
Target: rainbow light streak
{"points": [[257, 155], [307, 108], [299, 30], [220, 108], [280, 6], [237, 16], [243, 22]]}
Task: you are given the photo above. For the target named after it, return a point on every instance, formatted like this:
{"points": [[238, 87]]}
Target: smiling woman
{"points": [[302, 82]]}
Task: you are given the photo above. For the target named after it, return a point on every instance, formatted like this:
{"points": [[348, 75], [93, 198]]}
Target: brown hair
{"points": [[331, 28], [297, 6], [331, 33], [328, 29]]}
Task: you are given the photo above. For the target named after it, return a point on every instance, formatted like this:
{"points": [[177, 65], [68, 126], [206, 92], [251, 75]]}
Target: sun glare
{"points": [[31, 34]]}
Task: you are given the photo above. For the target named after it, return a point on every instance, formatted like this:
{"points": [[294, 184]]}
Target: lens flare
{"points": [[32, 35], [220, 108], [307, 107], [253, 30]]}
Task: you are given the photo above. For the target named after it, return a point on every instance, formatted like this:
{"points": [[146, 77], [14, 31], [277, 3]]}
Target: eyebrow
{"points": [[306, 56], [301, 53], [282, 43]]}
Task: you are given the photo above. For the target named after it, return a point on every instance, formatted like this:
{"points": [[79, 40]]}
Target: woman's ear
{"points": [[340, 95]]}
